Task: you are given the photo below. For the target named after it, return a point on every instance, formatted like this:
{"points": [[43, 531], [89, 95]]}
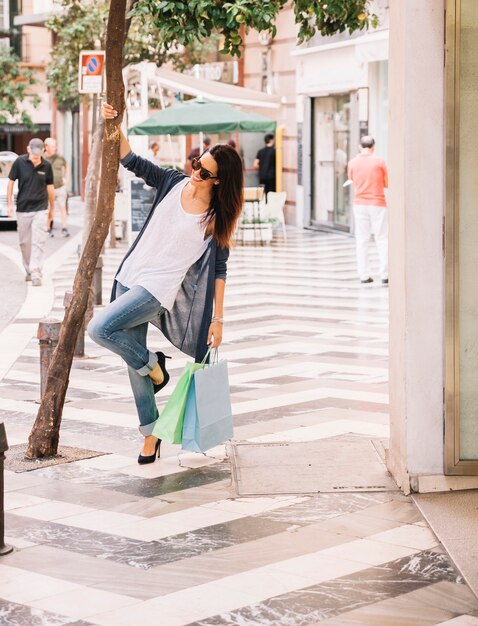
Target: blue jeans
{"points": [[122, 327]]}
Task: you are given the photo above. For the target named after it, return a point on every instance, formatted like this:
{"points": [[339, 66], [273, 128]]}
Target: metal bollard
{"points": [[97, 281], [80, 340], [48, 333], [3, 448]]}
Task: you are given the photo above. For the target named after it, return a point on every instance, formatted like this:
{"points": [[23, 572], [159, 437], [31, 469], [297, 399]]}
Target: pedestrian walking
{"points": [[174, 274], [370, 178], [35, 196], [153, 153], [61, 175], [265, 162]]}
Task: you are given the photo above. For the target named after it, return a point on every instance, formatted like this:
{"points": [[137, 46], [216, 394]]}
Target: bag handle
{"points": [[214, 352]]}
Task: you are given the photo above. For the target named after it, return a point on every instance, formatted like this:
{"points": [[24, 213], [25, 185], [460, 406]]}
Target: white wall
{"points": [[416, 198]]}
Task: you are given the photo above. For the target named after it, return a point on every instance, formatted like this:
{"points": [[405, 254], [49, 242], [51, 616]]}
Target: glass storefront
{"points": [[461, 257], [331, 205]]}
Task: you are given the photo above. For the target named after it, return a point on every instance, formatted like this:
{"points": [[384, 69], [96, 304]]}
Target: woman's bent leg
{"points": [[132, 308], [142, 387]]}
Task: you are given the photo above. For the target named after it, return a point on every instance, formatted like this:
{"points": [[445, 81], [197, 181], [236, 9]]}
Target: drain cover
{"points": [[337, 464]]}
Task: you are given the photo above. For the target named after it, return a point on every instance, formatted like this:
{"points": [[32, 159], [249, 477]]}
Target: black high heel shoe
{"points": [[162, 364], [143, 460]]}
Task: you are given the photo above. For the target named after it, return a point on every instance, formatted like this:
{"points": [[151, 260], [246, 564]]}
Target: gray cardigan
{"points": [[186, 325]]}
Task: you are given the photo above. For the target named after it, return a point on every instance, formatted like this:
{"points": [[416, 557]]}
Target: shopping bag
{"points": [[208, 414], [169, 424]]}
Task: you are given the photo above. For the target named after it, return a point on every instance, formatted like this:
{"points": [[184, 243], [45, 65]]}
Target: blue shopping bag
{"points": [[208, 415]]}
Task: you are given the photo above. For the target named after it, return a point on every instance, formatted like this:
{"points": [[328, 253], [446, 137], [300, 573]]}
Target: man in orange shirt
{"points": [[370, 178]]}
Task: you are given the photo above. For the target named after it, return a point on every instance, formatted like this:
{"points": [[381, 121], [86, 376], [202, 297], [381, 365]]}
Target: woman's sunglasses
{"points": [[203, 172]]}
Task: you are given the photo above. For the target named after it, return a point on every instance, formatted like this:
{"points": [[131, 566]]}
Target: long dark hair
{"points": [[228, 196]]}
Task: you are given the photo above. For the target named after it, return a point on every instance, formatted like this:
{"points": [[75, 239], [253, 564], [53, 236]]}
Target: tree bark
{"points": [[45, 433], [91, 198]]}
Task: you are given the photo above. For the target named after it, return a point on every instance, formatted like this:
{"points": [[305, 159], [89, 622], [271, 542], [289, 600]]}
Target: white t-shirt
{"points": [[172, 242]]}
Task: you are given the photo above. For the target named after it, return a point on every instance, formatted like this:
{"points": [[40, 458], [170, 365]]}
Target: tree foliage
{"points": [[14, 89], [80, 25], [190, 20], [77, 25], [157, 28]]}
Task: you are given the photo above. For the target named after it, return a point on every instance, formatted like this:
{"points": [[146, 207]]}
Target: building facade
{"points": [[270, 67], [24, 29], [433, 254], [342, 94]]}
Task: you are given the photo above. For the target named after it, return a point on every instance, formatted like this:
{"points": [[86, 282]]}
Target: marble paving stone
{"points": [[31, 586], [52, 510], [339, 596], [12, 614], [369, 551], [325, 506], [84, 495], [462, 620], [144, 487], [81, 602], [18, 542], [429, 605], [196, 496], [17, 500], [99, 520], [93, 572], [357, 524], [173, 523], [241, 557], [143, 554], [16, 482], [446, 595], [8, 571], [391, 613], [396, 509], [408, 535]]}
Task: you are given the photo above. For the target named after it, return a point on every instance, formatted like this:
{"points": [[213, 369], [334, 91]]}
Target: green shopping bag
{"points": [[169, 424]]}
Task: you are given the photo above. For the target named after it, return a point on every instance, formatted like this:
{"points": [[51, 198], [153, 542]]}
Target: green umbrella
{"points": [[202, 116]]}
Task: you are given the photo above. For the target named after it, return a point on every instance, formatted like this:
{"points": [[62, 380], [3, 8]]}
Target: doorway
{"points": [[332, 130]]}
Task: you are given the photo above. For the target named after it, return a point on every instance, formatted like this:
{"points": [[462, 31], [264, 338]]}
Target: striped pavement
{"points": [[104, 541]]}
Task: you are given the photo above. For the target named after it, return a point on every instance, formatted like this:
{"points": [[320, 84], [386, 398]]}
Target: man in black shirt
{"points": [[35, 194], [266, 164]]}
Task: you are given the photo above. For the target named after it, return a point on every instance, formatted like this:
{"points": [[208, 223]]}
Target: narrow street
{"points": [[105, 541]]}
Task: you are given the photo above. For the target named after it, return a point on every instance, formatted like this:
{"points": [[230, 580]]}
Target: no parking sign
{"points": [[91, 71]]}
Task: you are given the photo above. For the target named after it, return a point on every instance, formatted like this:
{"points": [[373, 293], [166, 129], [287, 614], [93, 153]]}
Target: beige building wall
{"points": [[282, 82], [417, 207], [36, 46]]}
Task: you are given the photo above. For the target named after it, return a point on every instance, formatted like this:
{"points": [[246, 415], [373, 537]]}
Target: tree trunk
{"points": [[92, 178], [91, 198], [44, 436]]}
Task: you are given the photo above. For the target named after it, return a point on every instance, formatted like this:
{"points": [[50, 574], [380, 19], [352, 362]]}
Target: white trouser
{"points": [[371, 220], [32, 234]]}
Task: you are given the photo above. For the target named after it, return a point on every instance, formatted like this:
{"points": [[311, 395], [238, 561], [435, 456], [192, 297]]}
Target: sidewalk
{"points": [[104, 541]]}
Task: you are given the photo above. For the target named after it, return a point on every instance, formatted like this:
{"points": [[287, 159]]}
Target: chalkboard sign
{"points": [[142, 197]]}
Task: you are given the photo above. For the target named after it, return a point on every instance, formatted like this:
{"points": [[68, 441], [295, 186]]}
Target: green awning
{"points": [[202, 116]]}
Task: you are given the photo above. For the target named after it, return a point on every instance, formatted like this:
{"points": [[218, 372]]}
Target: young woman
{"points": [[174, 273]]}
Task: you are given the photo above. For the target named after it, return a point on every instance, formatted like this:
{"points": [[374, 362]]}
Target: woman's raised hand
{"points": [[108, 112]]}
